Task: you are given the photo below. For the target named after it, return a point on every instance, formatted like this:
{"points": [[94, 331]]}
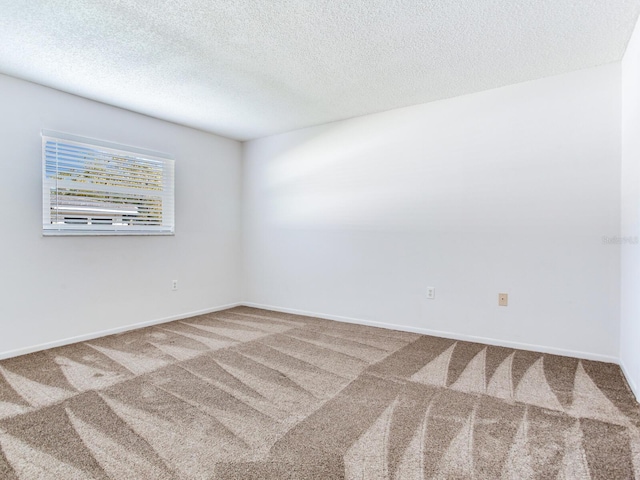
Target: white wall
{"points": [[508, 190], [630, 252], [56, 288]]}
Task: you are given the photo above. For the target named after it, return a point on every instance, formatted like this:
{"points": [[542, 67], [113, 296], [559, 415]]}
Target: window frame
{"points": [[93, 226]]}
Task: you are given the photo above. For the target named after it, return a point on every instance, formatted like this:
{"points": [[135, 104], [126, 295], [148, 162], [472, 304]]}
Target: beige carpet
{"points": [[253, 394]]}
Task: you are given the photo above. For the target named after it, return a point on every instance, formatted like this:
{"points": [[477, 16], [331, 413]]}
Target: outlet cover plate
{"points": [[503, 299]]}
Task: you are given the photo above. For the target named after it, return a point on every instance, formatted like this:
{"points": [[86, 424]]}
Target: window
{"points": [[95, 188]]}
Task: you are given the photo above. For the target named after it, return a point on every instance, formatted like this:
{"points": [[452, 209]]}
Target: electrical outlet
{"points": [[174, 285], [503, 299], [431, 293]]}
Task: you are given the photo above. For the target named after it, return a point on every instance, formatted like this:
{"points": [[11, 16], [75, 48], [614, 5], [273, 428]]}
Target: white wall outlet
{"points": [[174, 284], [503, 299], [431, 293]]}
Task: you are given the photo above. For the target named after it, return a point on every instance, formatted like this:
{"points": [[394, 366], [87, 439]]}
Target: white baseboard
{"points": [[111, 331], [632, 384], [357, 321], [439, 333]]}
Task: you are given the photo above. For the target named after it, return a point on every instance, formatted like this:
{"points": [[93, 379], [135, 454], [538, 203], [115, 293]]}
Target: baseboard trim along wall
{"points": [[438, 333], [111, 331], [358, 321], [632, 384]]}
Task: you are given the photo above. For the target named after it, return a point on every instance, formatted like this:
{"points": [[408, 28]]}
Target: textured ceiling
{"points": [[251, 68]]}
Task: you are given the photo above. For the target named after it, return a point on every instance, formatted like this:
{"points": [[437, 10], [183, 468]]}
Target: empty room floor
{"points": [[254, 394]]}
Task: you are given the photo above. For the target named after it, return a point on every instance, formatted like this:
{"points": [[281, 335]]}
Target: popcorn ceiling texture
{"points": [[249, 68]]}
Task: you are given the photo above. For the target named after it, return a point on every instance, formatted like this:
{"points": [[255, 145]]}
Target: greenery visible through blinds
{"points": [[93, 189]]}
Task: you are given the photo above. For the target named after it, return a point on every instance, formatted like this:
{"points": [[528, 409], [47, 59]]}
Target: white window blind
{"points": [[95, 188]]}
